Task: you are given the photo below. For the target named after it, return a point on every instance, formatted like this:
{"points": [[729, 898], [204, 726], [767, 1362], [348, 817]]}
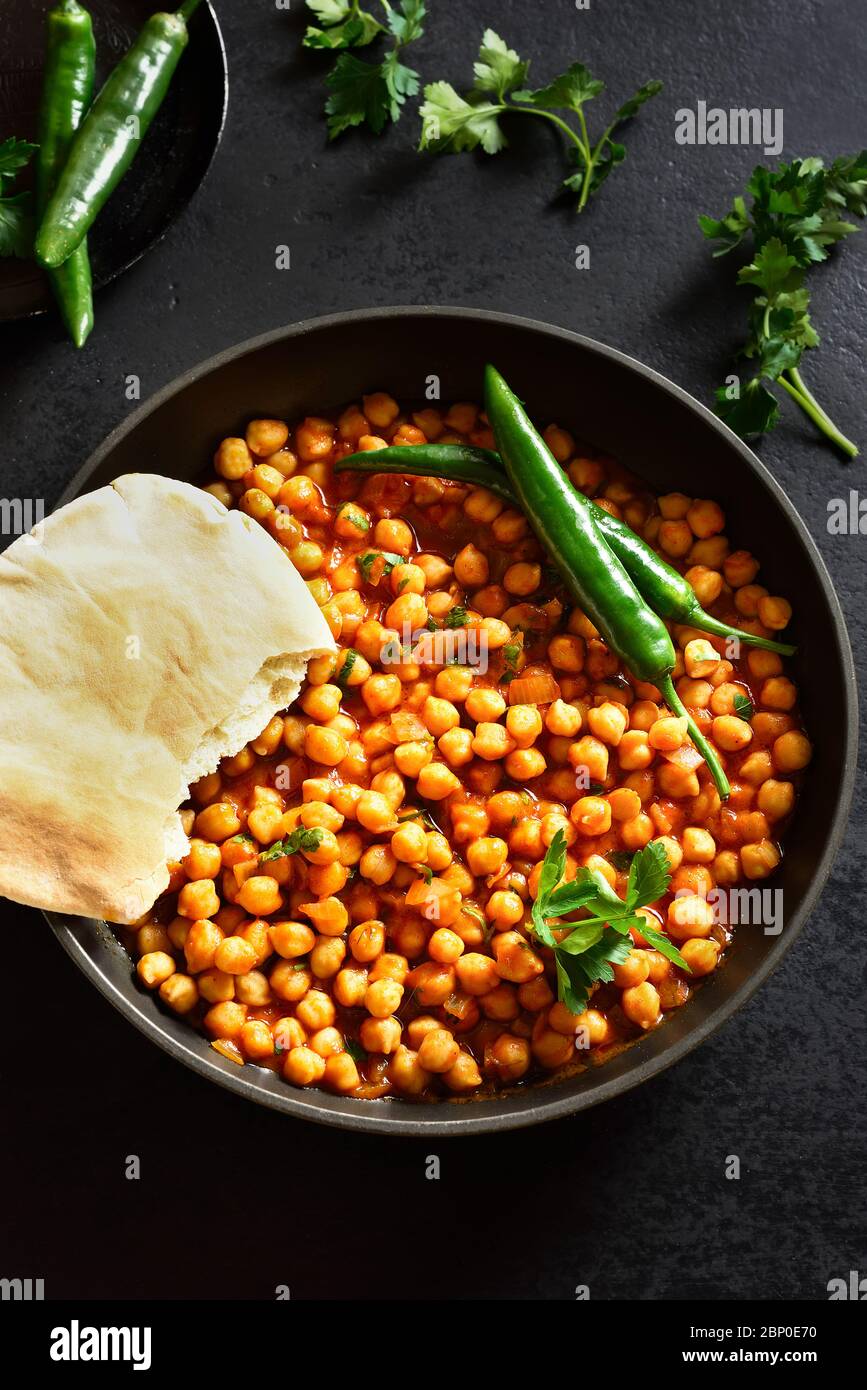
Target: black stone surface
{"points": [[632, 1197]]}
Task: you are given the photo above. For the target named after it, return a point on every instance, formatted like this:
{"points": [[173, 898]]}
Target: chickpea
{"points": [[566, 652], [515, 957], [731, 733], [375, 812], [439, 715], [775, 613], [759, 860], [256, 1040], [456, 746], [563, 719], [303, 1067], [180, 993], [508, 1058], [324, 746], [253, 989], [632, 971], [436, 781], [235, 956], [641, 1005], [445, 946], [701, 956], [217, 822], [260, 896], [290, 980], [524, 724], [409, 843], [522, 579], [380, 1035], [699, 846], [406, 1074], [464, 1075], [382, 998], [487, 855], [200, 946], [792, 751], [471, 567], [438, 1050], [552, 1050], [591, 815], [700, 658], [315, 1011], [689, 915], [155, 968], [637, 833], [233, 459], [778, 693], [491, 742], [634, 751], [411, 757], [607, 722], [367, 940], [226, 1020]]}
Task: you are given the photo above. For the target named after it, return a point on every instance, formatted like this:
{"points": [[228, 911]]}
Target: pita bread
{"points": [[145, 632]]}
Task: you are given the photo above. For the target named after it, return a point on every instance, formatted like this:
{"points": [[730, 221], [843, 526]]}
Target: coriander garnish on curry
{"points": [[479, 848]]}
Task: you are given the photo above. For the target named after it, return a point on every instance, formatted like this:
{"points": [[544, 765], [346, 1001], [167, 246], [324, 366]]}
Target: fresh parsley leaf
{"points": [[359, 96], [567, 92], [498, 68], [649, 875], [367, 560], [363, 93], [453, 123], [602, 939], [743, 707], [457, 617], [16, 209], [299, 839], [795, 215], [620, 859], [754, 410]]}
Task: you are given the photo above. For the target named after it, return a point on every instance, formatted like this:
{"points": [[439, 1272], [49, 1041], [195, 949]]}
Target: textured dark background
{"points": [[630, 1198]]}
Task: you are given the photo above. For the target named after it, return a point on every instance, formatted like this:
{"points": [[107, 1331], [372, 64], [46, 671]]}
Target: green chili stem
{"points": [[188, 9], [720, 629], [794, 385], [673, 700]]}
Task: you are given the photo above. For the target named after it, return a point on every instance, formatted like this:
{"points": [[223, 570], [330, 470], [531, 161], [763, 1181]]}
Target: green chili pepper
{"points": [[668, 592], [456, 462], [67, 90], [594, 576], [110, 135]]}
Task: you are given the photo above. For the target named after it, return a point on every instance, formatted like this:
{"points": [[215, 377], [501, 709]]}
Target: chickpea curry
{"points": [[362, 906]]}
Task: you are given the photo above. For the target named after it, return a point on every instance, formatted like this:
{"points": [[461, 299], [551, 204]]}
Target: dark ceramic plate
{"points": [[174, 157], [664, 435]]}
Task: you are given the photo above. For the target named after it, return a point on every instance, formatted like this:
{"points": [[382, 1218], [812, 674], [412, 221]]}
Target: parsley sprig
{"points": [[452, 123], [601, 939], [16, 209], [796, 214], [361, 92]]}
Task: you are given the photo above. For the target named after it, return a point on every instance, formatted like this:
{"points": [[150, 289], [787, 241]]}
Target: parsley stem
{"points": [[793, 383], [583, 145]]}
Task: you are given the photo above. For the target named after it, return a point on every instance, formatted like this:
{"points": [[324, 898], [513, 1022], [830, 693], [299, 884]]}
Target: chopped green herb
{"points": [[452, 123], [795, 216], [300, 838], [602, 939], [457, 617], [360, 522], [346, 669], [511, 656], [355, 1050], [368, 559], [422, 815], [426, 872], [743, 707]]}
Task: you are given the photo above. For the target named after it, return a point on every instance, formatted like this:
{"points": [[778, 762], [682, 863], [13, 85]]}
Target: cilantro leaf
{"points": [[349, 660], [796, 215], [649, 875], [354, 1048], [569, 91], [359, 95], [755, 410], [743, 707], [451, 125], [299, 839], [498, 68], [363, 93], [16, 209], [457, 617]]}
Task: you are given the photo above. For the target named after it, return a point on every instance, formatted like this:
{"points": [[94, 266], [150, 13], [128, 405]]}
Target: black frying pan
{"points": [[173, 159], [608, 400]]}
